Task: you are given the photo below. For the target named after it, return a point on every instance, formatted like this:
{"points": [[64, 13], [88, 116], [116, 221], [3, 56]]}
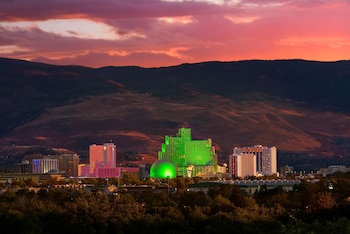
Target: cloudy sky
{"points": [[154, 33]]}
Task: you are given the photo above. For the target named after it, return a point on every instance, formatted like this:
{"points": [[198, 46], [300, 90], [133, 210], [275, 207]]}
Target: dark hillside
{"points": [[27, 89], [317, 84], [299, 106]]}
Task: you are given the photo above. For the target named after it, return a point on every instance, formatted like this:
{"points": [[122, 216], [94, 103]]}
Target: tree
{"points": [[239, 198], [180, 184], [323, 201], [130, 179], [30, 182]]}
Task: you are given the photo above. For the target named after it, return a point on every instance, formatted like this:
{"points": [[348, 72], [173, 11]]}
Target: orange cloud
{"points": [[162, 33]]}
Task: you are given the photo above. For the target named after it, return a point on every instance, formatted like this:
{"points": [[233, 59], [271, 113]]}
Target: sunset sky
{"points": [[154, 33]]}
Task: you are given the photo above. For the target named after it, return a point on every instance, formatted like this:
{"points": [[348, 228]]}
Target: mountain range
{"points": [[295, 105]]}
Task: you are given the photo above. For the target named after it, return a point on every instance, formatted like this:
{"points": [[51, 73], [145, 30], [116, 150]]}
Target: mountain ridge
{"points": [[297, 105]]}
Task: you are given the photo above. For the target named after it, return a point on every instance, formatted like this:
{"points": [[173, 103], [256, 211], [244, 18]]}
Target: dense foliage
{"points": [[312, 207]]}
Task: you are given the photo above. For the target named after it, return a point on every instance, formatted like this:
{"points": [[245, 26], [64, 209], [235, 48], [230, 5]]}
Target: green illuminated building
{"points": [[163, 169], [190, 157]]}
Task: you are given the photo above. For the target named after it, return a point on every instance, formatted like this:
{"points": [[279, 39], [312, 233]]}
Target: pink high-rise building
{"points": [[102, 156]]}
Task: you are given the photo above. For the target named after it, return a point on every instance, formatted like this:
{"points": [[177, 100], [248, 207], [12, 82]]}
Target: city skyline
{"points": [[170, 32]]}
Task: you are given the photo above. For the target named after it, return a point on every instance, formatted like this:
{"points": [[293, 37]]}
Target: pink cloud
{"points": [[160, 33], [109, 9]]}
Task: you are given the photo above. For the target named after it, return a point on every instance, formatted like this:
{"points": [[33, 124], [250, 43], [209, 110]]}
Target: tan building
{"points": [[242, 165], [266, 158]]}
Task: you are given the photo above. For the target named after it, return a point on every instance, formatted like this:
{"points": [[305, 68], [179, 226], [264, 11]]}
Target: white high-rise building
{"points": [[266, 158], [45, 165], [242, 165]]}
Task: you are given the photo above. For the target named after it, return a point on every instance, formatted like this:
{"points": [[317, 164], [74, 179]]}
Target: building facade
{"points": [[334, 169], [102, 156], [286, 170], [68, 163], [266, 158], [24, 167], [190, 157], [242, 165], [45, 165]]}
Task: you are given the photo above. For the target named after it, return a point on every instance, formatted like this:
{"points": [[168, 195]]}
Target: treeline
{"points": [[317, 207]]}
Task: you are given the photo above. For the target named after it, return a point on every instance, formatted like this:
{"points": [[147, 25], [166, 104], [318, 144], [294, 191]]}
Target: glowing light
{"points": [[182, 150], [162, 169]]}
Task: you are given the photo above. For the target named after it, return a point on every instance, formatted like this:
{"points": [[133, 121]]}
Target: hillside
{"points": [[296, 105]]}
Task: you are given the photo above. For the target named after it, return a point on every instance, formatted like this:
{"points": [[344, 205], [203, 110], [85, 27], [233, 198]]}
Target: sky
{"points": [[157, 33]]}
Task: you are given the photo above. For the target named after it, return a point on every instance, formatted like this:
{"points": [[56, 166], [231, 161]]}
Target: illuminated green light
{"points": [[182, 151], [198, 153], [162, 169]]}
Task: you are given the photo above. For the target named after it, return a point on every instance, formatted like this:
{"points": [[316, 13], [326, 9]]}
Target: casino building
{"points": [[258, 158], [191, 158]]}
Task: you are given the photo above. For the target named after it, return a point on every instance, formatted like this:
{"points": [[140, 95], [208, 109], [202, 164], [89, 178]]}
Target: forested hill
{"points": [[296, 105]]}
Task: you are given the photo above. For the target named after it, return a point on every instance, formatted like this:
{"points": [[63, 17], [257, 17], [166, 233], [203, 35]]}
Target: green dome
{"points": [[163, 169]]}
